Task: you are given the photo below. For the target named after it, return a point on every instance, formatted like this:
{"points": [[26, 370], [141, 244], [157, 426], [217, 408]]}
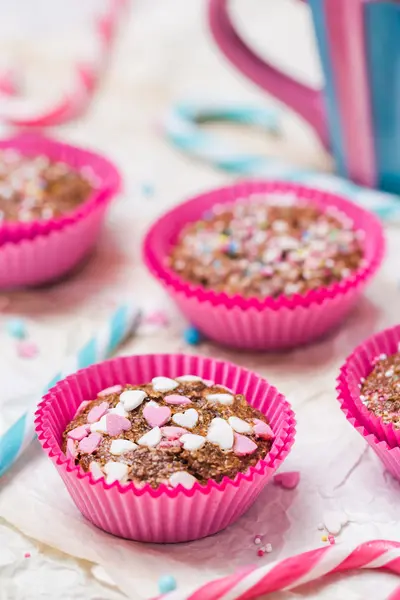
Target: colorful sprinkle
{"points": [[114, 389], [117, 424], [156, 416], [79, 433], [288, 480], [27, 555], [89, 444], [192, 336], [186, 419], [166, 583], [27, 349], [260, 552], [257, 540], [97, 412], [16, 328]]}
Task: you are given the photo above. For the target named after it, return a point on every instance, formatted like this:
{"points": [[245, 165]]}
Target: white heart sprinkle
{"points": [[119, 447], [151, 438], [182, 478], [131, 399], [96, 470], [191, 441], [152, 403], [189, 378], [239, 425], [118, 410], [163, 384], [99, 426], [115, 471], [220, 433], [225, 399], [187, 419]]}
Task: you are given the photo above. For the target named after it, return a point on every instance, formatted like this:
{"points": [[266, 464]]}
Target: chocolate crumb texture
{"points": [[34, 188], [171, 431], [380, 391], [268, 245]]}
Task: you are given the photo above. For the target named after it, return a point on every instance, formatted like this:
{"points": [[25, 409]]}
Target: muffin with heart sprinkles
{"points": [[177, 458], [171, 431]]}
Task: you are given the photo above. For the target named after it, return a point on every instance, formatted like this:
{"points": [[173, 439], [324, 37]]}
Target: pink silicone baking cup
{"points": [[389, 456], [48, 257], [162, 515], [261, 324], [360, 364], [107, 176]]}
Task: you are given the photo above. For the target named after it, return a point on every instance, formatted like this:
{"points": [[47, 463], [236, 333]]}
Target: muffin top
{"points": [[380, 391], [267, 245], [171, 431], [36, 189]]}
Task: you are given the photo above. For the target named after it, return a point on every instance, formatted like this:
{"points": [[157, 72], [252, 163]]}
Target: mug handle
{"points": [[304, 100]]}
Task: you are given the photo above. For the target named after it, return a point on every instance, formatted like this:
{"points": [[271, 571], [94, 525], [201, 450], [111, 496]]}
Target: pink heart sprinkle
{"points": [[169, 444], [78, 433], [81, 407], [263, 430], [114, 389], [156, 416], [243, 445], [116, 424], [173, 433], [176, 399], [288, 480], [71, 448], [97, 412], [90, 443]]}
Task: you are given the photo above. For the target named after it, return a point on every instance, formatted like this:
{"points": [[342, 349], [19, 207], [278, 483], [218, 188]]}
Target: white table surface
{"points": [[165, 54]]}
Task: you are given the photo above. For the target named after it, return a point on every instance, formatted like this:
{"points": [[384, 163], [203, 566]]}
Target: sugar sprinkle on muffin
{"points": [[380, 391], [268, 245], [35, 188]]}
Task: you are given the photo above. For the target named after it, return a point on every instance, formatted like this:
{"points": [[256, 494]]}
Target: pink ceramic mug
{"points": [[356, 115]]}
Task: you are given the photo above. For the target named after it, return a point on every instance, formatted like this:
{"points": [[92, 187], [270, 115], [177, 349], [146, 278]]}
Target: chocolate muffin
{"points": [[33, 188], [380, 391], [268, 246], [171, 431]]}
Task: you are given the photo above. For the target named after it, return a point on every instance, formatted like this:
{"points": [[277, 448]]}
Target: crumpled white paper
{"points": [[338, 473]]}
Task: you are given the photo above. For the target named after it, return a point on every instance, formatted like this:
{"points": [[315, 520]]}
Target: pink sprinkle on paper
{"points": [[27, 349], [288, 480]]}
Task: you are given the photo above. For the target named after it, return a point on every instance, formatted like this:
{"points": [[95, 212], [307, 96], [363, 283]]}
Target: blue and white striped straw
{"points": [[18, 437], [182, 128]]}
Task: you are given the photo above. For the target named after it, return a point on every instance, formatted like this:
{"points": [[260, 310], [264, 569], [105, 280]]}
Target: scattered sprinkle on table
{"points": [[27, 555], [289, 480], [192, 336], [26, 349], [16, 328], [167, 583]]}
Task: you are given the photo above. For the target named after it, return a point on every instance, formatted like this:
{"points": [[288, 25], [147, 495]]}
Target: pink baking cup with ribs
{"points": [[163, 514], [268, 323], [105, 174], [358, 366], [36, 252]]}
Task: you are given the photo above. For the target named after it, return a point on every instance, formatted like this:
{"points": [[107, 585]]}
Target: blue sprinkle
{"points": [[192, 336], [232, 248], [166, 583], [217, 264], [16, 328], [148, 189]]}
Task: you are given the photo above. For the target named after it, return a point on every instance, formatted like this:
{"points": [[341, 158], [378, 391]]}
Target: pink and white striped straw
{"points": [[86, 79], [298, 570]]}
